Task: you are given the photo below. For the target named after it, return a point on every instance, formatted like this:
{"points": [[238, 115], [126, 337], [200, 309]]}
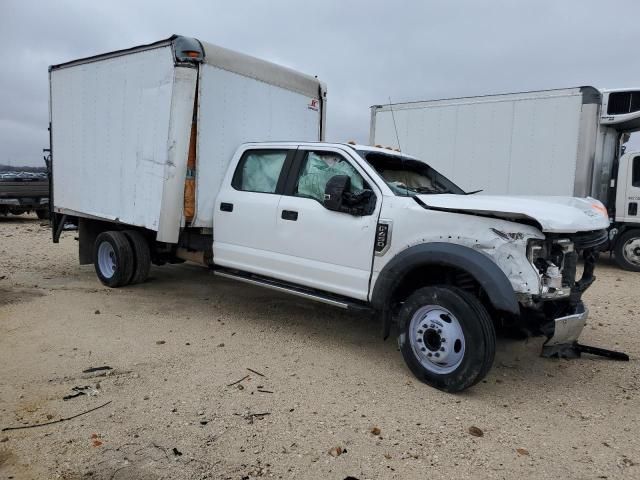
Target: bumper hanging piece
{"points": [[564, 341]]}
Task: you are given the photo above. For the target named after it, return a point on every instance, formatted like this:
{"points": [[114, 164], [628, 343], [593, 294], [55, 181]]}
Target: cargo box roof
{"points": [[225, 59]]}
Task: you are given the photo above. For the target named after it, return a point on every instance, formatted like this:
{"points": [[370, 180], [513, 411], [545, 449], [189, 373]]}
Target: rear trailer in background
{"points": [[568, 142], [142, 137]]}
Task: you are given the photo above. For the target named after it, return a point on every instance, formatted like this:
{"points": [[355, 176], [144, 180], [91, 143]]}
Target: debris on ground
{"points": [[6, 429], [176, 452], [86, 390], [251, 417], [238, 381], [475, 431], [160, 342], [253, 371], [97, 369], [97, 312], [95, 440], [336, 451], [375, 431], [522, 451]]}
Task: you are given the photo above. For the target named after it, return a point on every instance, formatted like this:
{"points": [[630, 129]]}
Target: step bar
{"points": [[280, 286]]}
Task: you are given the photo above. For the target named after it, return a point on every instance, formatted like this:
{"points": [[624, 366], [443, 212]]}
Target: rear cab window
{"points": [[260, 171]]}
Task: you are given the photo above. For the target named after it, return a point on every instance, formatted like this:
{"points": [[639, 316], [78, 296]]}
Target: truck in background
{"points": [[168, 152], [552, 142], [23, 192]]}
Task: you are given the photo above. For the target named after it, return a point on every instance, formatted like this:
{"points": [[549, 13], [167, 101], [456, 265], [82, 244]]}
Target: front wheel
{"points": [[627, 250], [447, 338]]}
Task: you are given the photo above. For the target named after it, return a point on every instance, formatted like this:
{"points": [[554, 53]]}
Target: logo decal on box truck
{"points": [[313, 105]]}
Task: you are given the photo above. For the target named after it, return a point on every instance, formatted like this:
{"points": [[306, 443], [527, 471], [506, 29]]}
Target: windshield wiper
{"points": [[475, 191]]}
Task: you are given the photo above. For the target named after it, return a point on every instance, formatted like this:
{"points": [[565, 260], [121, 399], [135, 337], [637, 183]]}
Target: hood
{"points": [[552, 214]]}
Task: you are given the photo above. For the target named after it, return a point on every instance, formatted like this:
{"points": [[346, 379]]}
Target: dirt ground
{"points": [[178, 343]]}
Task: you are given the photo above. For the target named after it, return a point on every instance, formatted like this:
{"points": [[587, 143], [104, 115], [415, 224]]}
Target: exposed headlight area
{"points": [[555, 262]]}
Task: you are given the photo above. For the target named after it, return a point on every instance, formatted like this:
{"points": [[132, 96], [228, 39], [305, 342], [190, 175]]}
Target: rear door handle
{"points": [[289, 215], [226, 207]]}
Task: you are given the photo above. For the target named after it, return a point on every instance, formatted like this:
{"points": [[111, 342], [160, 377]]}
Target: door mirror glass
{"points": [[339, 198], [334, 192]]}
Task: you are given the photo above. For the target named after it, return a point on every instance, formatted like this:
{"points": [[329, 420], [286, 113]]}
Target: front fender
{"points": [[488, 275]]}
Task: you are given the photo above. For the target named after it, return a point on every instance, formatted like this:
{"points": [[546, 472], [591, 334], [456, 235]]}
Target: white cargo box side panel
{"points": [[110, 128], [235, 109], [522, 146]]}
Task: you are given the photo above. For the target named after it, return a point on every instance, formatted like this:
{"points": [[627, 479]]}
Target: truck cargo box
{"points": [[531, 143], [121, 128]]}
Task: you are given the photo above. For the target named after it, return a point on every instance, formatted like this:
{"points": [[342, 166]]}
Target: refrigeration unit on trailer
{"points": [[552, 142], [168, 152]]}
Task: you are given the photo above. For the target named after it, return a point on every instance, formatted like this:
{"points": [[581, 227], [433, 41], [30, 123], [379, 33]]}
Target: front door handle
{"points": [[226, 207], [289, 215]]}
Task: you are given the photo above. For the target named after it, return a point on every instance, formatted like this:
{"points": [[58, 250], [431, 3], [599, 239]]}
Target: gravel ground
{"points": [[324, 382]]}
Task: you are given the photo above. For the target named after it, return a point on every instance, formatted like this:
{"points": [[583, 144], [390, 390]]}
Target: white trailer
{"points": [[552, 142], [143, 136]]}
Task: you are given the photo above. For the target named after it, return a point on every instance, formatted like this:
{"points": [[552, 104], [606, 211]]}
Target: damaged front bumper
{"points": [[569, 316], [566, 331], [563, 342]]}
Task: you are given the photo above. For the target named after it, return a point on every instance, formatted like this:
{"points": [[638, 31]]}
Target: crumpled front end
{"points": [[558, 310]]}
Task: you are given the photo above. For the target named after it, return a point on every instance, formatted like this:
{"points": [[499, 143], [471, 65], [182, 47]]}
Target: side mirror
{"points": [[334, 192]]}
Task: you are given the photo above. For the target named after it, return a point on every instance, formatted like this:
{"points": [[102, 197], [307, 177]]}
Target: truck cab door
{"points": [[318, 247], [244, 219], [628, 189]]}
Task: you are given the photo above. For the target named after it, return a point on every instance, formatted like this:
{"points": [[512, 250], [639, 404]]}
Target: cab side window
{"points": [[259, 171], [318, 168], [635, 173]]}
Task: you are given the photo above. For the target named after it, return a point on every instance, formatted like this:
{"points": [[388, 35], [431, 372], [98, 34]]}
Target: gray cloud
{"points": [[366, 51]]}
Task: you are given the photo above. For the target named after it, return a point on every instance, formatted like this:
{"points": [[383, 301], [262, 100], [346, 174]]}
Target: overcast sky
{"points": [[366, 51]]}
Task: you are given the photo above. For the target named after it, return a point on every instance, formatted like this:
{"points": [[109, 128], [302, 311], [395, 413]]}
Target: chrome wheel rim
{"points": [[631, 251], [106, 260], [437, 339]]}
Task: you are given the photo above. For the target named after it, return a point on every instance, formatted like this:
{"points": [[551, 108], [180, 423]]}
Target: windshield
{"points": [[408, 177]]}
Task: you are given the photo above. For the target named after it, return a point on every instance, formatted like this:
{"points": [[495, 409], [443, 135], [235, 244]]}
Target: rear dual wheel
{"points": [[121, 258], [447, 338]]}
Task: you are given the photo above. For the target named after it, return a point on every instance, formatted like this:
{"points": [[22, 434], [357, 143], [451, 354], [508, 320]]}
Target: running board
{"points": [[279, 286]]}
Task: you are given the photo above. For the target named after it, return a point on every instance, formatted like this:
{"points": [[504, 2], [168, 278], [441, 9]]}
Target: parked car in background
{"points": [[23, 192]]}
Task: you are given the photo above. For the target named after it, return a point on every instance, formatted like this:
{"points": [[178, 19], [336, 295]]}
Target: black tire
{"points": [[43, 213], [121, 254], [478, 342], [141, 256], [622, 257]]}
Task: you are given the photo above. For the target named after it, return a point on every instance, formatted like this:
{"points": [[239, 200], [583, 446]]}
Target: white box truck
{"points": [[552, 142], [168, 152]]}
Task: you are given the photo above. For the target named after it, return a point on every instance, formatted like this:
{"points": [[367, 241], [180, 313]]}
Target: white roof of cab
{"points": [[353, 146]]}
